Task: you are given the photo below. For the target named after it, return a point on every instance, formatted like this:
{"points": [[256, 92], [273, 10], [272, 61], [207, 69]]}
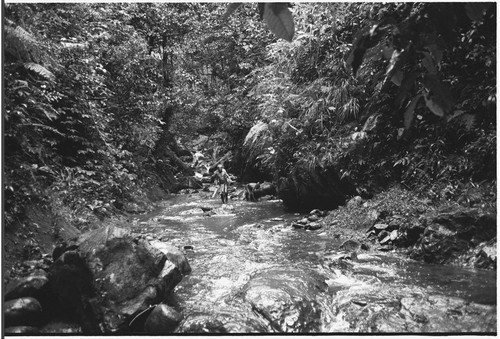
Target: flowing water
{"points": [[227, 250]]}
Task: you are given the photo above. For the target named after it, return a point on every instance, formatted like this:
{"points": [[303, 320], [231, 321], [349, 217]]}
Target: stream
{"points": [[252, 272]]}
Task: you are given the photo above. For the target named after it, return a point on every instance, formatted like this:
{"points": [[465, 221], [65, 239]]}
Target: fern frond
{"points": [[40, 70], [22, 45]]}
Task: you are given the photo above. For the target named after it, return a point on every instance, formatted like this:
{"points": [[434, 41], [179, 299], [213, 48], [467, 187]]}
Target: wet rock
{"points": [[22, 311], [382, 235], [486, 255], [296, 225], [163, 319], [380, 227], [287, 298], [350, 245], [61, 327], [313, 217], [355, 201], [313, 226], [370, 219], [193, 211], [26, 287], [174, 255], [264, 191], [436, 313], [317, 212], [451, 234], [130, 276], [223, 324], [22, 330]]}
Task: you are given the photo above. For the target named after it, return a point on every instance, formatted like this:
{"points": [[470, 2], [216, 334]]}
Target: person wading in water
{"points": [[222, 179]]}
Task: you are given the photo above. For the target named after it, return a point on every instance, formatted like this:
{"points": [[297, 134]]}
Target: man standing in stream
{"points": [[222, 179]]}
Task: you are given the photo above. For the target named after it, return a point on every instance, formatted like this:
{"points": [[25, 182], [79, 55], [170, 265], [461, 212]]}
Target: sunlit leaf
{"points": [[410, 110], [435, 107], [40, 70]]}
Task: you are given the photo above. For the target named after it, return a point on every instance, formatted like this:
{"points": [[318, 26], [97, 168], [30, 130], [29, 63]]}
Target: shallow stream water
{"points": [[225, 251]]}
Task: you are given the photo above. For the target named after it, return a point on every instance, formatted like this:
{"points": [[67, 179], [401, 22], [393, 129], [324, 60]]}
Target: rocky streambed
{"points": [[196, 266]]}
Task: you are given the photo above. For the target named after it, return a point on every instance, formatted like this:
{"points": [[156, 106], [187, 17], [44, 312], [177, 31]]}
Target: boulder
{"points": [[451, 234], [130, 274], [486, 255], [350, 245], [25, 287], [163, 319], [256, 191], [22, 311], [313, 226], [287, 298], [174, 255]]}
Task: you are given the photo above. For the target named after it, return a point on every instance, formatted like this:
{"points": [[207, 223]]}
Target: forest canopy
{"points": [[96, 95]]}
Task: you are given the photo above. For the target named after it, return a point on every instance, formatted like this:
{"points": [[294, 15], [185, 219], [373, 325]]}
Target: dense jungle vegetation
{"points": [[99, 97]]}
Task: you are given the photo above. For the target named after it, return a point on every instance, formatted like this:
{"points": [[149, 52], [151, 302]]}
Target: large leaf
{"points": [[410, 111], [428, 63], [438, 97], [365, 41], [406, 87], [279, 20]]}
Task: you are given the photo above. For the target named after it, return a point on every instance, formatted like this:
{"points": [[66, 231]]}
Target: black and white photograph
{"points": [[253, 168]]}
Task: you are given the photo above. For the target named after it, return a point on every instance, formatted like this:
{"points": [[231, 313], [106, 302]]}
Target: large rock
{"points": [[287, 298], [173, 254], [255, 191], [309, 188], [22, 311], [163, 319], [130, 274], [26, 287], [451, 234], [71, 291]]}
